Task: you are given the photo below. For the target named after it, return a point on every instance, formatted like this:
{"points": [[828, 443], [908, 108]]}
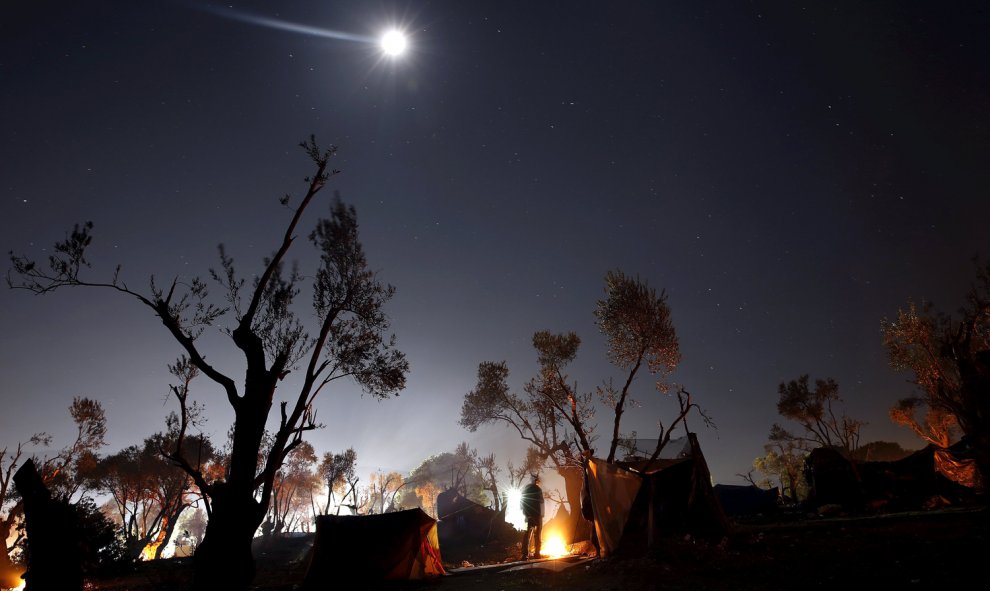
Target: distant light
{"points": [[394, 43], [513, 509]]}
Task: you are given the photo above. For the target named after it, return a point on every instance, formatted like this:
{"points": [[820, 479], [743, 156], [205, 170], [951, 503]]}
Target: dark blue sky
{"points": [[790, 174]]}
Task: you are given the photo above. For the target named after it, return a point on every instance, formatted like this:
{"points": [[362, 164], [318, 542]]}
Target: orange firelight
{"points": [[553, 546], [149, 551]]}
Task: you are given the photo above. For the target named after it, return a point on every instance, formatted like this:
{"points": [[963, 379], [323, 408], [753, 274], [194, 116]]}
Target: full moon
{"points": [[393, 42]]}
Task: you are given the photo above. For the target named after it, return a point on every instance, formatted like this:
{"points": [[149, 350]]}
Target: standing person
{"points": [[532, 508]]}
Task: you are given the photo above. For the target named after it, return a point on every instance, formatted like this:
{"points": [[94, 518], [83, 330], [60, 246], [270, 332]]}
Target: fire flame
{"points": [[553, 546], [11, 579], [149, 551]]}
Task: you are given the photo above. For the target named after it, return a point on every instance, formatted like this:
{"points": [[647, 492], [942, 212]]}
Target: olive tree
{"points": [[815, 410], [349, 340], [949, 357], [557, 419]]}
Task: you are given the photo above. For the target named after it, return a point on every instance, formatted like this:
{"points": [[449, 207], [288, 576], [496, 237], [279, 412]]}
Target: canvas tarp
{"points": [[393, 546], [636, 502], [613, 490], [959, 470], [926, 476]]}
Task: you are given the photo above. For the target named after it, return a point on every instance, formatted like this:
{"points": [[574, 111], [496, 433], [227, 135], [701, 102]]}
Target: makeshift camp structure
{"points": [[635, 504], [391, 546], [928, 475], [462, 521]]}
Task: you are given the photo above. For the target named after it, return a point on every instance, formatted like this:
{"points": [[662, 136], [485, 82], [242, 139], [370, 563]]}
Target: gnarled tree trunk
{"points": [[224, 559], [52, 536]]}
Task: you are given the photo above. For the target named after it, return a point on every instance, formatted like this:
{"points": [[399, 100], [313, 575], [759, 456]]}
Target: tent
{"points": [[637, 502], [910, 483], [392, 546], [462, 521]]}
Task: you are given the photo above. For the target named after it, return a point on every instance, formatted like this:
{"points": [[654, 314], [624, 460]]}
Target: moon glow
{"points": [[393, 43]]}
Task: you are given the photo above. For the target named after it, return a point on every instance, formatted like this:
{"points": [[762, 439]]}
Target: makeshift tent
{"points": [[613, 492], [635, 503], [832, 479], [909, 483], [393, 546], [462, 521]]}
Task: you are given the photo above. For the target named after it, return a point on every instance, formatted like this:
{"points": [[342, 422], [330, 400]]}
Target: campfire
{"points": [[553, 545]]}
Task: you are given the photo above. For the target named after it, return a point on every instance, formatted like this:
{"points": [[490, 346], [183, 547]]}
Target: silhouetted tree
{"points": [[293, 488], [350, 341], [10, 502], [489, 470], [552, 415], [949, 356], [441, 472], [383, 487], [121, 476], [784, 461], [337, 470], [101, 549], [640, 333], [427, 493], [532, 464], [814, 411], [61, 472], [53, 537], [148, 492]]}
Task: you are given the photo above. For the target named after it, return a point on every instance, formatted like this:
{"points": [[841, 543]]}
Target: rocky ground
{"points": [[943, 548]]}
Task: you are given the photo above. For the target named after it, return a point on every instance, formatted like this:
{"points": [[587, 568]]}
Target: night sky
{"points": [[790, 174]]}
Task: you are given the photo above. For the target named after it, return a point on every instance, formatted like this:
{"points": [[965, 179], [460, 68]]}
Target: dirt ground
{"points": [[944, 548]]}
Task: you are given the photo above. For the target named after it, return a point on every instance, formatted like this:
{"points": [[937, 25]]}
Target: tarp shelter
{"points": [[910, 483], [635, 503], [392, 546], [462, 521]]}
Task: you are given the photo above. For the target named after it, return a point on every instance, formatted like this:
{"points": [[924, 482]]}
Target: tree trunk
{"points": [[224, 559], [53, 535], [167, 529], [573, 481]]}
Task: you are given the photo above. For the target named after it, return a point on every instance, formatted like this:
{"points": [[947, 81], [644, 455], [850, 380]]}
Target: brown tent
{"points": [[462, 521], [393, 546], [635, 503]]}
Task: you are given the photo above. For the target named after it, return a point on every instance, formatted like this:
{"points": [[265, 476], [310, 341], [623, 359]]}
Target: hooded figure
{"points": [[531, 502]]}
